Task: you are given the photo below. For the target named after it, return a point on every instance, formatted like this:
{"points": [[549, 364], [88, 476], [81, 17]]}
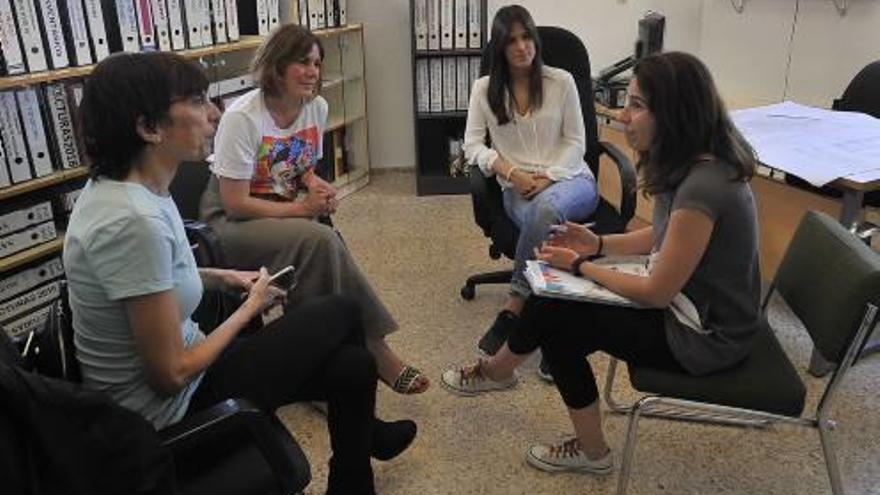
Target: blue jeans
{"points": [[572, 199]]}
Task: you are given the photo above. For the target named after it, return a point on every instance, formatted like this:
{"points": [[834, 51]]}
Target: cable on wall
{"points": [[797, 5], [740, 5]]}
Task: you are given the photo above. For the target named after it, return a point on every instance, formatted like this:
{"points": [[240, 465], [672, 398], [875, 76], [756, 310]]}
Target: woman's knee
{"points": [[352, 369], [543, 213]]}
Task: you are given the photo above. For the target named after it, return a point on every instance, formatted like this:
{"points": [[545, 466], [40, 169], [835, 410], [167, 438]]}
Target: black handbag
{"points": [[48, 350]]}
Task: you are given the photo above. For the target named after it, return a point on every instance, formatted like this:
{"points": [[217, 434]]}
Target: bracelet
{"points": [[576, 264], [601, 245], [510, 172]]}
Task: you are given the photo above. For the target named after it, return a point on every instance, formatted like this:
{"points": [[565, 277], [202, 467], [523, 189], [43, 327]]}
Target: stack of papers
{"points": [[551, 282], [814, 144]]}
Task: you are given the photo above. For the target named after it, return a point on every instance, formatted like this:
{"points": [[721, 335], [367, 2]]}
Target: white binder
{"points": [[449, 94], [433, 18], [316, 15], [34, 130], [9, 40], [303, 12], [97, 30], [273, 13], [234, 85], [29, 301], [462, 83], [125, 18], [435, 66], [176, 25], [62, 125], [20, 328], [288, 11], [475, 20], [203, 7], [31, 38], [13, 139], [423, 90], [145, 24], [447, 21], [341, 15], [23, 218], [475, 69], [262, 17], [55, 43], [28, 238], [460, 32], [330, 7], [160, 18], [4, 170], [232, 30], [18, 283], [218, 20], [193, 23], [73, 18], [420, 23]]}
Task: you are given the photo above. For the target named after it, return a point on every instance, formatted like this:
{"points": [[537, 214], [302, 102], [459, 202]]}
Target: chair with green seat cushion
{"points": [[831, 282]]}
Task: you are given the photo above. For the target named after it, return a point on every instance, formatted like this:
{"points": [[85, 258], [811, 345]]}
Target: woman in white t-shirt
{"points": [[265, 198], [533, 114]]}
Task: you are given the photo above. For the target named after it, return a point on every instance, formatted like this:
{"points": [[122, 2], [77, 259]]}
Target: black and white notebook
{"points": [[551, 282]]}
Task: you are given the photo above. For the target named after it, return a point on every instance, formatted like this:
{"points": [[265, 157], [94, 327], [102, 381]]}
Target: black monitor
{"points": [[650, 41], [651, 29]]}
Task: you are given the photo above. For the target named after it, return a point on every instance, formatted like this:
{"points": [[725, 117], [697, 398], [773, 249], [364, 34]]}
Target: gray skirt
{"points": [[323, 264]]}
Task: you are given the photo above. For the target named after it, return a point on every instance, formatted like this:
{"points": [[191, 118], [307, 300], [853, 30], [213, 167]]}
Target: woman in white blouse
{"points": [[532, 113]]}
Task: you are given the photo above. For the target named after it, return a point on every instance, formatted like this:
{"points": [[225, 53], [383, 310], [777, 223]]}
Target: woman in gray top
{"points": [[703, 247]]}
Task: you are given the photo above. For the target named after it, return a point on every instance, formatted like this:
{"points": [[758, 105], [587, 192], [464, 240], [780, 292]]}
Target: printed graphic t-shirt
{"points": [[249, 146]]}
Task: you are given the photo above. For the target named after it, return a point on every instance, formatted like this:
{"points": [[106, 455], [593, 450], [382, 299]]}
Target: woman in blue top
{"points": [[134, 284]]}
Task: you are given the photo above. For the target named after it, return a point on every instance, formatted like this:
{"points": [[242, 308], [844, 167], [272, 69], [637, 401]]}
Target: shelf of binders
{"points": [[23, 257], [247, 42], [42, 182], [455, 52]]}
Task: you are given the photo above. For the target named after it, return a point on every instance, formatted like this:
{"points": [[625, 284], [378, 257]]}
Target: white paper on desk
{"points": [[815, 144]]}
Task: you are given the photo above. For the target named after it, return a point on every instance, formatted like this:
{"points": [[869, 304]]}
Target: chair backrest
{"points": [[863, 92], [827, 277], [187, 187], [564, 50]]}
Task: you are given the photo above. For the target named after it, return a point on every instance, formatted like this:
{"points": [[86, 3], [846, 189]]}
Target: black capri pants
{"points": [[569, 331]]}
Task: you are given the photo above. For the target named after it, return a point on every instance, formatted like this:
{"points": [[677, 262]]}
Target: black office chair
{"points": [[562, 49], [831, 282], [861, 95], [231, 448]]}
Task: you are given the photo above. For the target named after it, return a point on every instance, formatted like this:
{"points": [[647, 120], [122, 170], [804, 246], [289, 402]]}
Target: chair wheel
{"points": [[468, 292]]}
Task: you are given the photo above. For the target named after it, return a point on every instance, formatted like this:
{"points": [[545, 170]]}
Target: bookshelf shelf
{"points": [[42, 182], [34, 253]]}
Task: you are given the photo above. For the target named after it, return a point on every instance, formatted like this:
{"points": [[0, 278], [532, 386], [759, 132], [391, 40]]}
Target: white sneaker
{"points": [[470, 380], [567, 456]]}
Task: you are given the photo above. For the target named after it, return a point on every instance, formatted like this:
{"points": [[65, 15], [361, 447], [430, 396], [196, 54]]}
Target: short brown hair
{"points": [[288, 44]]}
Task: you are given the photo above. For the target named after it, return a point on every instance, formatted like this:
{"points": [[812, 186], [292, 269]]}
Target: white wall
{"points": [[754, 56]]}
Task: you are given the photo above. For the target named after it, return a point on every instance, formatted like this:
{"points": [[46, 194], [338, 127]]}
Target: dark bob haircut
{"points": [[288, 44], [124, 88], [690, 120], [500, 92]]}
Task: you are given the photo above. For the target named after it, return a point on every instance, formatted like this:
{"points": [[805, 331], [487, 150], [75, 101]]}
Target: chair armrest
{"points": [[206, 244], [237, 420], [485, 198], [628, 182]]}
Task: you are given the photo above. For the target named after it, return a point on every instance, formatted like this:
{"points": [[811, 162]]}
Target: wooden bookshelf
{"points": [[41, 182], [34, 253]]}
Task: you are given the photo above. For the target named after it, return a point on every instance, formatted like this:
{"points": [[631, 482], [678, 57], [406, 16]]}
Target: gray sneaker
{"points": [[470, 380], [567, 456]]}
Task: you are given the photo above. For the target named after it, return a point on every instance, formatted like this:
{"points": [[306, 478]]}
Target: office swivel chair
{"points": [[230, 448], [831, 282], [564, 50]]}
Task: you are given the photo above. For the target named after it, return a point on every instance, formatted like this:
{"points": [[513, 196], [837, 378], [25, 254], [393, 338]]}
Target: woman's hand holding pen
{"points": [[574, 236], [262, 293], [556, 256]]}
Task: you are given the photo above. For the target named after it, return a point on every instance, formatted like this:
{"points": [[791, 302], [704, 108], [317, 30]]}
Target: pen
{"points": [[559, 227]]}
